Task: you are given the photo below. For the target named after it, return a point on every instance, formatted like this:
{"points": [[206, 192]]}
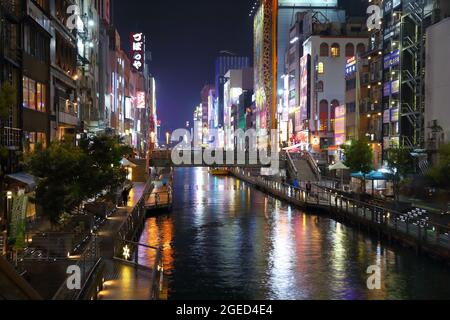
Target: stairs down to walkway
{"points": [[304, 170]]}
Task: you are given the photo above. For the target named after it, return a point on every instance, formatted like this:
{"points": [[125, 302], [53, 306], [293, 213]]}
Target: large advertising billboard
{"points": [[307, 3], [305, 63], [339, 130]]}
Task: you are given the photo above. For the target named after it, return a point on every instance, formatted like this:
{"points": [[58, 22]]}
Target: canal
{"points": [[226, 240]]}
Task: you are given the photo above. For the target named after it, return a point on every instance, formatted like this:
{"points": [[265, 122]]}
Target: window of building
{"points": [[324, 50], [350, 84], [320, 86], [360, 49], [334, 105], [34, 95], [320, 68], [323, 115], [33, 139], [36, 44], [335, 50], [349, 50]]}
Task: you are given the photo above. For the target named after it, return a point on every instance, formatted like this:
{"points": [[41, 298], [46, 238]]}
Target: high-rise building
{"points": [[437, 85], [11, 72], [272, 23], [224, 63], [63, 76]]}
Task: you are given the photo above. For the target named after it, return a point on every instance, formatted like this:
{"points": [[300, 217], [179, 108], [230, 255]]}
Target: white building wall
{"points": [[334, 71], [438, 78]]}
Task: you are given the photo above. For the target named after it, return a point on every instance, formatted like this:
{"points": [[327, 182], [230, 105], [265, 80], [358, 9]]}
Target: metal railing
{"points": [[11, 137], [431, 233], [144, 257], [88, 262]]}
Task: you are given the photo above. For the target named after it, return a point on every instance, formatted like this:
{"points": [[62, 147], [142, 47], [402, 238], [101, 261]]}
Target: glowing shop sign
{"points": [[138, 50]]}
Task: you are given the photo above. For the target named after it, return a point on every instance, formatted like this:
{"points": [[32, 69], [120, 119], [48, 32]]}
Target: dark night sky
{"points": [[184, 37]]}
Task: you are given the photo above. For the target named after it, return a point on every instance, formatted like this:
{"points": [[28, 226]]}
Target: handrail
{"points": [[330, 198], [291, 164]]}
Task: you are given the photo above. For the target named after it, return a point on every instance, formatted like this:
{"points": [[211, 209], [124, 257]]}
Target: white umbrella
{"points": [[127, 163], [339, 166]]}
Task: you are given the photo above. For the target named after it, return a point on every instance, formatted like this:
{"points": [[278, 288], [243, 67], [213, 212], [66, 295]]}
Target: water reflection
{"points": [[225, 240]]}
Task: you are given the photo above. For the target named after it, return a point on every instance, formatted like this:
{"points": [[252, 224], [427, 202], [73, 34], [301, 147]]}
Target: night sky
{"points": [[184, 38]]}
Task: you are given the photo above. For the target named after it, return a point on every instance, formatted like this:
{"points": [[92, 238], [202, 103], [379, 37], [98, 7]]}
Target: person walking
{"points": [[125, 196]]}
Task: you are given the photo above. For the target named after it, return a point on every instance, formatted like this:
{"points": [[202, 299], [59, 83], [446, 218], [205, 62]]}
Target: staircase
{"points": [[301, 167]]}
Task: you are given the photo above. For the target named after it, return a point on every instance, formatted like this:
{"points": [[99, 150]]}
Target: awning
{"points": [[25, 180]]}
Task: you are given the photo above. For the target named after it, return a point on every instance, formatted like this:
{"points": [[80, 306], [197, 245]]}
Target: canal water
{"points": [[226, 240]]}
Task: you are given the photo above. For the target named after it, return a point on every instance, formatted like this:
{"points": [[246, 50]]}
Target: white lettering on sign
{"points": [[138, 50]]}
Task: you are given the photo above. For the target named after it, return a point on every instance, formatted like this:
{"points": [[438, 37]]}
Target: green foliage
{"points": [[7, 99], [359, 156], [105, 154], [401, 163], [70, 175], [58, 169], [439, 175]]}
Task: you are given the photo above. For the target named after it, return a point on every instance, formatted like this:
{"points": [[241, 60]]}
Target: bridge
{"points": [[218, 158]]}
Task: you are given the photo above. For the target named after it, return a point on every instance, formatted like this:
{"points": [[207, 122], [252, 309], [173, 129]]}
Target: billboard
{"points": [[350, 66], [339, 130], [137, 50], [305, 63], [140, 100], [307, 3]]}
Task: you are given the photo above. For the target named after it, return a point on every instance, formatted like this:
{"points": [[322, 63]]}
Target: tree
{"points": [[440, 173], [401, 163], [70, 175], [58, 169], [105, 154], [359, 158]]}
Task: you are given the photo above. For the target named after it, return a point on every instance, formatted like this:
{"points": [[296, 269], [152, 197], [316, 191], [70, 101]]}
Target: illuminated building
{"points": [[437, 119], [272, 23], [237, 82], [225, 62]]}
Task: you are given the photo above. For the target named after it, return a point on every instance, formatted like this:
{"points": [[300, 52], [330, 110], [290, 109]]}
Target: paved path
{"points": [[123, 282]]}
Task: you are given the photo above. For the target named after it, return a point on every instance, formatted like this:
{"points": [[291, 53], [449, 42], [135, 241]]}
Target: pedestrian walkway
{"points": [[123, 281], [127, 282], [434, 237]]}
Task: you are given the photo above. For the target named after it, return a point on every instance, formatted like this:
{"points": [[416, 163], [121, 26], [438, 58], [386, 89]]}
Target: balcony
{"points": [[11, 138]]}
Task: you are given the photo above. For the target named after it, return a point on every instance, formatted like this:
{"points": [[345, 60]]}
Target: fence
{"points": [[389, 221]]}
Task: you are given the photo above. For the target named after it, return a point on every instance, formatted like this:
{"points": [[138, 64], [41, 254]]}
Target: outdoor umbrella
{"points": [[339, 166], [127, 163]]}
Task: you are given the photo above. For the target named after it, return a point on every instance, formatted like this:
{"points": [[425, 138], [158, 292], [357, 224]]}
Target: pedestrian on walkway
{"points": [[125, 196]]}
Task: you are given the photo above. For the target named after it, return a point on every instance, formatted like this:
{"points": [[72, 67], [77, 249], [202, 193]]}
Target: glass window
{"points": [[335, 50], [32, 94], [324, 50], [349, 50], [26, 99], [321, 68]]}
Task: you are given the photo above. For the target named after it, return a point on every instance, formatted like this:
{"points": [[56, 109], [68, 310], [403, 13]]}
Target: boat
{"points": [[219, 172]]}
